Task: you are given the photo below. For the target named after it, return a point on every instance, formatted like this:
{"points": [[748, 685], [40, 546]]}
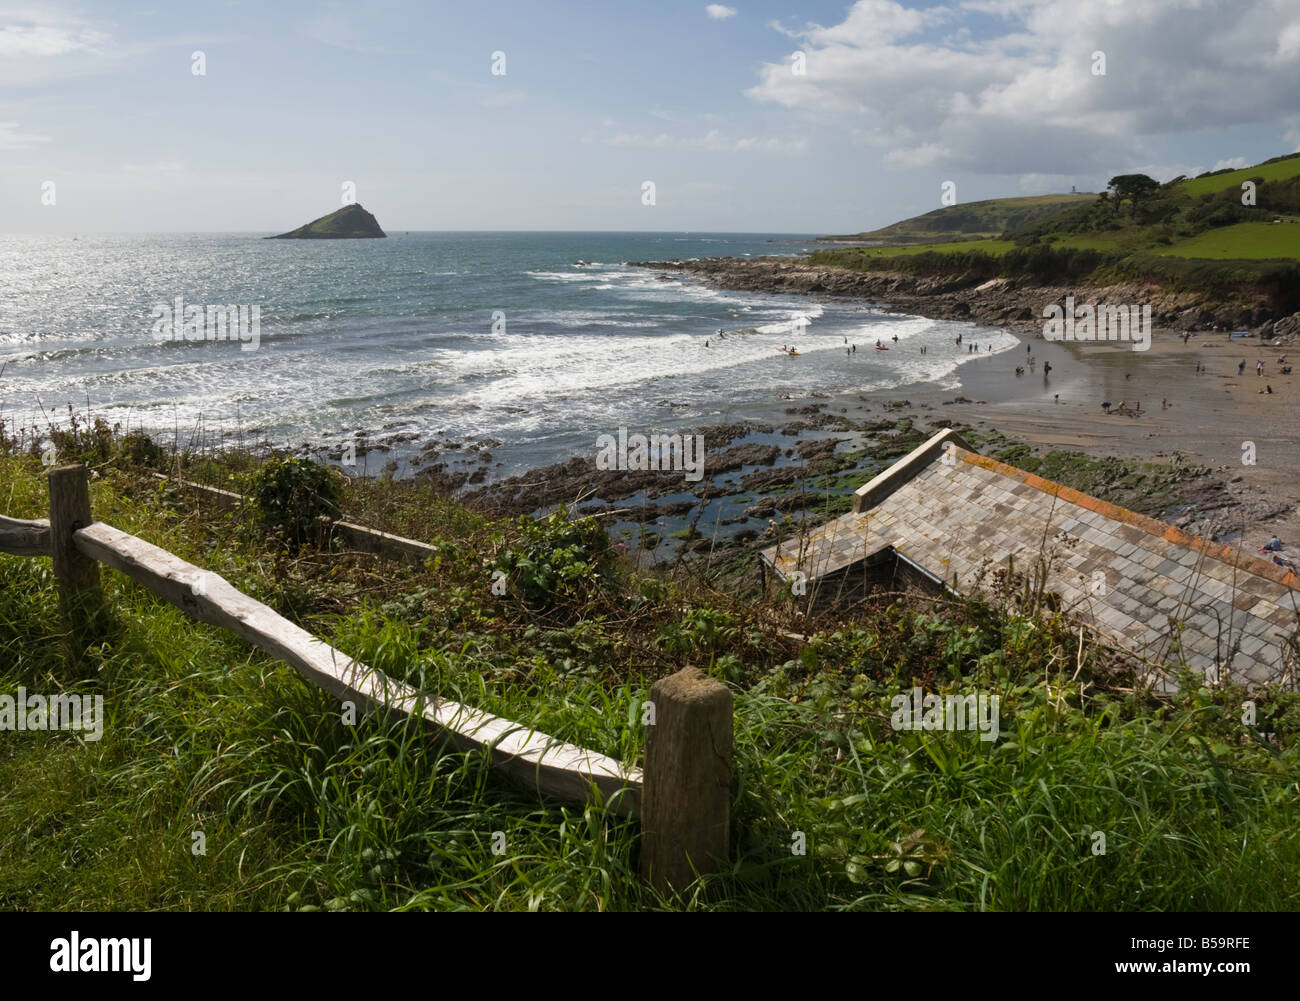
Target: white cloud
{"points": [[720, 13], [1236, 163], [1025, 101], [1288, 42], [41, 45], [12, 139], [45, 40]]}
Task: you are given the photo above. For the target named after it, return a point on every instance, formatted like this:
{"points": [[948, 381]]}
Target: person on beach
{"points": [[1047, 369], [895, 338], [1164, 404], [958, 339], [1056, 398], [855, 348], [1259, 368], [1241, 367], [1272, 545], [706, 343], [1105, 405]]}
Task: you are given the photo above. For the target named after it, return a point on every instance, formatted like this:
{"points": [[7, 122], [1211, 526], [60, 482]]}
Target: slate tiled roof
{"points": [[954, 512]]}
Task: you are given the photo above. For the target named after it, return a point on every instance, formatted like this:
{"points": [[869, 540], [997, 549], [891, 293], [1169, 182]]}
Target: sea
{"points": [[534, 343]]}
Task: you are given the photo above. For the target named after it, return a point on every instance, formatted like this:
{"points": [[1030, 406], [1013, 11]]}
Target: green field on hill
{"points": [[969, 220], [987, 246], [1279, 170], [1125, 230], [1244, 241]]}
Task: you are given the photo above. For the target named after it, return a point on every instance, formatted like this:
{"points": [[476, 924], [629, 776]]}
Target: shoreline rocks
{"points": [[1000, 302]]}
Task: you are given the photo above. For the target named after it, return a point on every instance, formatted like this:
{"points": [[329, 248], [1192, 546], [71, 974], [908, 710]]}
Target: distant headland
{"points": [[348, 223]]}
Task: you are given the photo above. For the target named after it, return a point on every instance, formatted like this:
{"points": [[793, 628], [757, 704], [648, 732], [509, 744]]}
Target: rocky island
{"points": [[348, 223]]}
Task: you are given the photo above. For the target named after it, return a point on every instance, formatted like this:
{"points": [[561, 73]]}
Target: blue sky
{"points": [[998, 96]]}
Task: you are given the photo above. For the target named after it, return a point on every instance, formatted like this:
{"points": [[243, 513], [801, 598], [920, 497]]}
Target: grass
{"points": [[973, 219], [1127, 240], [1243, 241], [1279, 170], [301, 812], [988, 246]]}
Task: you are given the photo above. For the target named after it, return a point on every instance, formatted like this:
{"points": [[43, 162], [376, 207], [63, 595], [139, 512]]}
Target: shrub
{"points": [[296, 498], [556, 560], [136, 448]]}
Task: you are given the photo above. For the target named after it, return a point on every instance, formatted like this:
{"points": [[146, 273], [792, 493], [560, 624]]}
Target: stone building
{"points": [[946, 517]]}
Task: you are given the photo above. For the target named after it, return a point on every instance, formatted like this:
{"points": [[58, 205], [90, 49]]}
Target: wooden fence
{"points": [[682, 797]]}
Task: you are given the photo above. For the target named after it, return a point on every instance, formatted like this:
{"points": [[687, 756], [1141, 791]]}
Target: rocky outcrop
{"points": [[1000, 302], [1287, 327], [349, 223]]}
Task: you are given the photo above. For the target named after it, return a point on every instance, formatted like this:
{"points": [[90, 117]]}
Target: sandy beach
{"points": [[1209, 416]]}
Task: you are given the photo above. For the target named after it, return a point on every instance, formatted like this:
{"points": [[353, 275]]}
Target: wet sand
{"points": [[1210, 416]]}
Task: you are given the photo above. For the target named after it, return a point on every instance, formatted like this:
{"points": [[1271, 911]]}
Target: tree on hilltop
{"points": [[1134, 187]]}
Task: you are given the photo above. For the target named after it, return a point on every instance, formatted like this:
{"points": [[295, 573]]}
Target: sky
{"points": [[798, 116]]}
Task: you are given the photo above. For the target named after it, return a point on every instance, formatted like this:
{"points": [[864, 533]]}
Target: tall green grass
{"points": [[302, 812]]}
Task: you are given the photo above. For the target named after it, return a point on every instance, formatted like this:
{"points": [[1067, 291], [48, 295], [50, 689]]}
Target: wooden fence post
{"points": [[76, 573], [686, 797]]}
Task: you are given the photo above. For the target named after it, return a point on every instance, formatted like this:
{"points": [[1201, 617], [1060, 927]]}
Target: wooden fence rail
{"points": [[24, 538], [367, 540], [682, 798]]}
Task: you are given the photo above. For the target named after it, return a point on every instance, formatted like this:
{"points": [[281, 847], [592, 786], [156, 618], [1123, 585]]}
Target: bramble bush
{"points": [[556, 560], [296, 498]]}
